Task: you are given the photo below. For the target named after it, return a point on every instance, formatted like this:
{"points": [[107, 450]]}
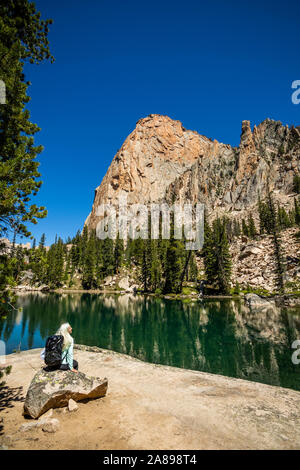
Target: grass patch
{"points": [[188, 291], [258, 291]]}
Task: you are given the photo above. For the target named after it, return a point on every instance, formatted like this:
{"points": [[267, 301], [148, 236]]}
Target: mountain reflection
{"points": [[222, 337]]}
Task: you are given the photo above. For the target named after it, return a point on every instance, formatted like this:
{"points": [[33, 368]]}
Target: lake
{"points": [[218, 336]]}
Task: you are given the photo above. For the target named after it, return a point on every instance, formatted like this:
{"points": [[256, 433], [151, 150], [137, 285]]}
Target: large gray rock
{"points": [[124, 284], [44, 288], [27, 277], [248, 251], [47, 424], [255, 301], [54, 390]]}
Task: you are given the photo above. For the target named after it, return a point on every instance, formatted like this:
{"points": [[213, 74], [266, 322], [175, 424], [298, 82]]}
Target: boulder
{"points": [[27, 277], [29, 426], [255, 301], [248, 251], [47, 424], [124, 284], [127, 285], [108, 280], [54, 390], [51, 425], [45, 288]]}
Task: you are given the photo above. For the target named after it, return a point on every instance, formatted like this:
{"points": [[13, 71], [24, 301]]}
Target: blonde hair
{"points": [[63, 331]]}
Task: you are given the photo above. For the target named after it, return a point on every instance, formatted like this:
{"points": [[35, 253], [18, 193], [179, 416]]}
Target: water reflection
{"points": [[222, 337]]}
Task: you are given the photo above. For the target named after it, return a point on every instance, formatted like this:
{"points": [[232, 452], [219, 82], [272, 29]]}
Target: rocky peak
{"points": [[157, 152], [269, 136], [247, 136], [247, 155], [161, 160]]}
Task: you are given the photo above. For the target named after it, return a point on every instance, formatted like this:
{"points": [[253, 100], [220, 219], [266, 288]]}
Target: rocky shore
{"points": [[288, 300], [150, 406]]}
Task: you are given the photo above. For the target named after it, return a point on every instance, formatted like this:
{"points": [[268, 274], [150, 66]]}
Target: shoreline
{"points": [[111, 352], [150, 406], [281, 300]]}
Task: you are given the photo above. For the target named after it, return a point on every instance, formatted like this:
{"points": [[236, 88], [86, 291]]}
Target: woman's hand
{"points": [[74, 370]]}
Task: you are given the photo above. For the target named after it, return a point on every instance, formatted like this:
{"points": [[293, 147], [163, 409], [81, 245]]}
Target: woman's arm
{"points": [[70, 356]]}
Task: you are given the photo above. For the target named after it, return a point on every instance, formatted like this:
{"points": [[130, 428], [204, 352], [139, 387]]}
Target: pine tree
{"points": [[67, 277], [89, 263], [184, 270], [162, 248], [6, 279], [223, 257], [55, 264], [193, 269], [297, 211], [137, 250], [174, 262], [251, 227], [23, 38], [236, 228], [83, 242], [156, 268], [292, 217], [99, 262], [296, 183], [20, 265], [208, 253], [59, 262], [274, 229], [118, 254], [245, 228], [284, 220], [42, 241], [146, 265], [229, 228], [265, 222], [217, 258], [75, 256], [173, 266], [108, 257]]}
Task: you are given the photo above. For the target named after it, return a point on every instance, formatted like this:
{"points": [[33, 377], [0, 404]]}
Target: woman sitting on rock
{"points": [[67, 363]]}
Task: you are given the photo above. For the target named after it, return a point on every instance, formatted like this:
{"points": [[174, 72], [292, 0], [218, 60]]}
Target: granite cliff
{"points": [[162, 161]]}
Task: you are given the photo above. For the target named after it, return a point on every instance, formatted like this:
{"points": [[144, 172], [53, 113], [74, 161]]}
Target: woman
{"points": [[67, 363]]}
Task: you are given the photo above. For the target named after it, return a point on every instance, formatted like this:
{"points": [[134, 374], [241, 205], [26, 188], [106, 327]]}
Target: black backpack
{"points": [[53, 350]]}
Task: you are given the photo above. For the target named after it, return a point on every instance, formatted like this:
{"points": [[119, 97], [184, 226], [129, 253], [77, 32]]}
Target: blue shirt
{"points": [[67, 355]]}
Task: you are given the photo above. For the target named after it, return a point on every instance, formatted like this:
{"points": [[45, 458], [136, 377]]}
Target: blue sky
{"points": [[208, 64]]}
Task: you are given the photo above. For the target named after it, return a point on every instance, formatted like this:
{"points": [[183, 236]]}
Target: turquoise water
{"points": [[217, 336]]}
